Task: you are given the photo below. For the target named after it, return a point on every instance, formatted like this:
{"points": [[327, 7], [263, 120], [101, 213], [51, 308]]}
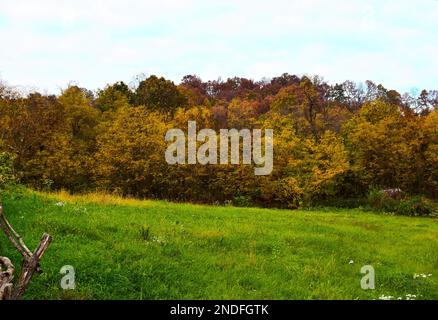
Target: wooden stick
{"points": [[14, 233], [6, 278], [13, 236], [30, 265]]}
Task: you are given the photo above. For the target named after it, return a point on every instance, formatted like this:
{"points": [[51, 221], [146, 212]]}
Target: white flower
{"points": [[422, 275], [383, 297], [351, 262], [60, 204]]}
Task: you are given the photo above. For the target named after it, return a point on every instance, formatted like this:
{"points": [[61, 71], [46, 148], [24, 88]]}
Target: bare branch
{"points": [[30, 262], [6, 278]]}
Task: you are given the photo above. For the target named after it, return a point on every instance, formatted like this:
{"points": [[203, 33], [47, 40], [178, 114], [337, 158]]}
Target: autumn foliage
{"points": [[330, 141]]}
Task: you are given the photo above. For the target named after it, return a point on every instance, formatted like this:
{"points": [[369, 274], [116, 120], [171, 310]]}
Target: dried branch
{"points": [[30, 261], [18, 238], [11, 234], [30, 266], [6, 278]]}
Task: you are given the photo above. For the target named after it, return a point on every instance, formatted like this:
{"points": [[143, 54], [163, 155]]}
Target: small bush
{"points": [[285, 193], [380, 201], [6, 169], [240, 200], [416, 206]]}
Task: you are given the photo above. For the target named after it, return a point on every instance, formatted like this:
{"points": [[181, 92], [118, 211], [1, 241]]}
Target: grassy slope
{"points": [[220, 252]]}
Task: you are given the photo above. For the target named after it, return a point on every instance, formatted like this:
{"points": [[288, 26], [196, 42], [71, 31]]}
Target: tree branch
{"points": [[6, 278], [30, 263]]}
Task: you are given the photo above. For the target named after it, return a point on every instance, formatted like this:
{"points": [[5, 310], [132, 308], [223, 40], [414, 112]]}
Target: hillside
{"points": [[131, 249]]}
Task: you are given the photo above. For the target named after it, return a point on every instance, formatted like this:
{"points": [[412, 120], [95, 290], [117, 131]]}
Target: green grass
{"points": [[130, 249]]}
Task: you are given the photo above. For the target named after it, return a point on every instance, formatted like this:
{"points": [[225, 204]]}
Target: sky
{"points": [[47, 44]]}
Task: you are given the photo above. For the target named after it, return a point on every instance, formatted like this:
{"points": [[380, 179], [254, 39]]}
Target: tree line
{"points": [[330, 141]]}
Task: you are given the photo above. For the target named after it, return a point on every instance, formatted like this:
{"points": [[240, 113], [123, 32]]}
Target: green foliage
{"points": [[114, 97], [416, 206], [241, 200], [378, 200], [6, 169], [159, 94]]}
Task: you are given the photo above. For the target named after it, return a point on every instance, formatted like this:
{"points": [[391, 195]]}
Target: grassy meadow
{"points": [[132, 249]]}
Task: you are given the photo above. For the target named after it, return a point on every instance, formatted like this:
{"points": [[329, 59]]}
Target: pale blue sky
{"points": [[47, 44]]}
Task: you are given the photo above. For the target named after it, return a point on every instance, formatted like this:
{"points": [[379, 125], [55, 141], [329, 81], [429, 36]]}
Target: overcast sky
{"points": [[47, 44]]}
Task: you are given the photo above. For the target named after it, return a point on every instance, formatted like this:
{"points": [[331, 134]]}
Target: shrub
{"points": [[240, 200], [381, 201], [416, 206], [285, 193], [6, 169]]}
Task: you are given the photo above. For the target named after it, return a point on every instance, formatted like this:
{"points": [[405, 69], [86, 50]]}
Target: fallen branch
{"points": [[30, 263], [6, 278]]}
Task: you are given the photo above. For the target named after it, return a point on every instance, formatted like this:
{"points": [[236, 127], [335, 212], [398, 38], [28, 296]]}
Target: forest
{"points": [[333, 144]]}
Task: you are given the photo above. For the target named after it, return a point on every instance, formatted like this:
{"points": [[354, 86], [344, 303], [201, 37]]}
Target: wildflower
{"points": [[422, 275], [383, 297]]}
